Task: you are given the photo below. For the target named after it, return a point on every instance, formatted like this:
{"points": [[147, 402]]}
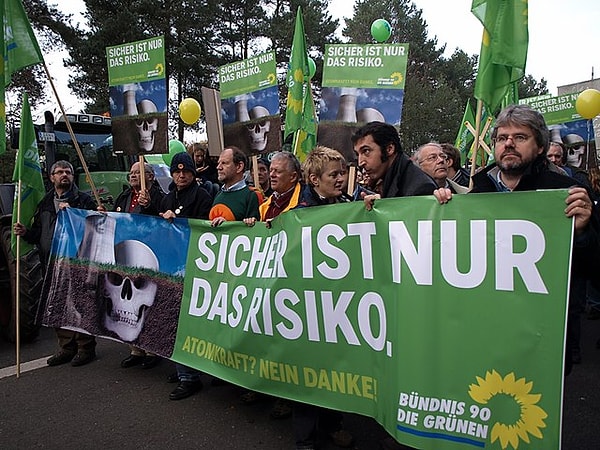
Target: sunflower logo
{"points": [[397, 77], [271, 78], [522, 415]]}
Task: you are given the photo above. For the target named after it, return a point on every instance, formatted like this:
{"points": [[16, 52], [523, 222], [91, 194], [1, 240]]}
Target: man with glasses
{"points": [[520, 140], [75, 347], [432, 160]]}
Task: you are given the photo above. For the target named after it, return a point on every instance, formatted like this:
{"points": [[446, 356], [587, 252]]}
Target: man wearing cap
{"points": [[186, 200]]}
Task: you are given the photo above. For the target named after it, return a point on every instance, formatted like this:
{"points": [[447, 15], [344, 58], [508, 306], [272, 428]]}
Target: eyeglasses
{"points": [[434, 158], [61, 172], [517, 139]]}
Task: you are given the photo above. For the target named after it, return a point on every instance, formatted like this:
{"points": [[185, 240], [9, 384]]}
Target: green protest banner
{"points": [[445, 323], [248, 75], [365, 66], [136, 61], [556, 110]]}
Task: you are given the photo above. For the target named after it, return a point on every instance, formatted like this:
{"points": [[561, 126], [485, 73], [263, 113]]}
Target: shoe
{"points": [[82, 358], [150, 361], [281, 410], [185, 389], [251, 397], [341, 438], [173, 378], [132, 360], [61, 357]]}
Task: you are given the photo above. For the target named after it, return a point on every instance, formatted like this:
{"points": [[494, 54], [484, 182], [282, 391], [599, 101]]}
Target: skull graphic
{"points": [[259, 129], [129, 296], [146, 126], [575, 149]]}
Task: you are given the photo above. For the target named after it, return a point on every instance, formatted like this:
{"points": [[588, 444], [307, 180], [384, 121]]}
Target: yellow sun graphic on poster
{"points": [[397, 77], [271, 78], [529, 417]]}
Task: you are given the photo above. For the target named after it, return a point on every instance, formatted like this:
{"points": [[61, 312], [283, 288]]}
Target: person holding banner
{"points": [[235, 200], [74, 347], [390, 171], [185, 200], [134, 200], [324, 172], [521, 140]]}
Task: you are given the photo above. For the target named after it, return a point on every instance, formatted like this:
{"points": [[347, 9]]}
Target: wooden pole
{"points": [[75, 143], [255, 172], [18, 283], [351, 180], [476, 149], [142, 174]]}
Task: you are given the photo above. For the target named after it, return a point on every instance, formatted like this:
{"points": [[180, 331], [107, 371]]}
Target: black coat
{"points": [[156, 195], [44, 219], [192, 202], [405, 179]]}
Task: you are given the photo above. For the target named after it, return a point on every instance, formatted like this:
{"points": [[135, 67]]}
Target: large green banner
{"points": [[444, 323]]}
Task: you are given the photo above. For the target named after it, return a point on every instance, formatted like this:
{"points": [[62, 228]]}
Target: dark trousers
{"points": [[75, 342]]}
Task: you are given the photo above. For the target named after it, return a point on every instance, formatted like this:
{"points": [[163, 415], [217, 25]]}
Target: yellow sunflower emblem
{"points": [[271, 78], [397, 77], [528, 418]]}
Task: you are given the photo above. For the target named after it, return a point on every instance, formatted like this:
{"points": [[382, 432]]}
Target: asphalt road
{"points": [[101, 406]]}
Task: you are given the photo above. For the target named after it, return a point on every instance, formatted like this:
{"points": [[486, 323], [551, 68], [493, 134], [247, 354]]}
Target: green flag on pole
{"points": [[20, 49], [300, 118], [28, 171], [464, 138], [503, 48]]}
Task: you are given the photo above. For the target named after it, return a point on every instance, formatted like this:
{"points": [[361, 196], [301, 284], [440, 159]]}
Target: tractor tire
{"points": [[32, 274]]}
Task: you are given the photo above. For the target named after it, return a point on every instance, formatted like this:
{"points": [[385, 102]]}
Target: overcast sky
{"points": [[564, 38]]}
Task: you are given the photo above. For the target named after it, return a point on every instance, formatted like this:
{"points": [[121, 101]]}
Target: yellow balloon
{"points": [[189, 110], [588, 103]]}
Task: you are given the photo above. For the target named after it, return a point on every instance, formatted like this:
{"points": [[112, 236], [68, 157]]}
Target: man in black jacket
{"points": [[520, 140], [390, 172], [75, 347]]}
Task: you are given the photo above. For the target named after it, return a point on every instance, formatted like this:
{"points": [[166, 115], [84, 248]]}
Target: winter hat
{"points": [[182, 161]]}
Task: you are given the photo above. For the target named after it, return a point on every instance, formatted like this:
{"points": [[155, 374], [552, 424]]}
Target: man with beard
{"points": [[75, 347], [520, 140]]}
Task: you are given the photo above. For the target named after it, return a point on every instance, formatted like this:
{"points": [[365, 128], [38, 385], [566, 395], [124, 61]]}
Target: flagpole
{"points": [[75, 143], [476, 151], [18, 284]]}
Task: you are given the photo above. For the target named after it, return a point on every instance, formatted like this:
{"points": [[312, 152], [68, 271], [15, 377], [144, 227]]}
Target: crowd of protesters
{"points": [[231, 190]]}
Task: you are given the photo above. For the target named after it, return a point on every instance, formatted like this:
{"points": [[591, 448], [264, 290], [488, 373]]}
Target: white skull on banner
{"points": [[129, 296]]}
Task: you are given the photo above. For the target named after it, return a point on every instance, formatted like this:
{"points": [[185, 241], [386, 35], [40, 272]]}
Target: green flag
{"points": [[300, 113], [503, 48], [29, 172], [464, 138], [20, 49]]}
